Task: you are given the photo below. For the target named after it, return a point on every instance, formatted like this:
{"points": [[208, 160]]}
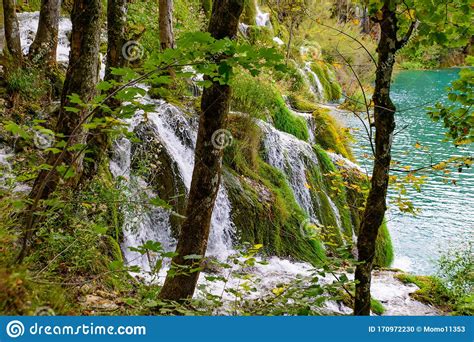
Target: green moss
{"points": [[260, 99], [335, 187], [301, 104], [284, 120], [332, 88], [376, 307], [250, 12], [356, 186], [28, 82], [431, 291], [383, 247], [253, 96], [330, 135], [258, 35], [264, 209]]}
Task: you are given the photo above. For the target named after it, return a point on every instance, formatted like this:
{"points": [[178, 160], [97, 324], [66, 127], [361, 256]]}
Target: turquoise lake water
{"points": [[446, 219]]}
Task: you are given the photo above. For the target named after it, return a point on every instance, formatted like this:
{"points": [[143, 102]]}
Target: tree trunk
{"points": [[116, 58], [208, 162], [290, 39], [43, 49], [116, 21], [81, 79], [12, 31], [384, 117], [166, 24]]}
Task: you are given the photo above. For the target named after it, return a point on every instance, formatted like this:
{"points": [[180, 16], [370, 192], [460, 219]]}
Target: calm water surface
{"points": [[446, 219]]}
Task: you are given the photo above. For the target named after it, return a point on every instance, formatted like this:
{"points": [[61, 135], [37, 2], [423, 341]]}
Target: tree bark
{"points": [[44, 47], [116, 58], [208, 163], [384, 118], [81, 79], [166, 24], [116, 23], [12, 31]]}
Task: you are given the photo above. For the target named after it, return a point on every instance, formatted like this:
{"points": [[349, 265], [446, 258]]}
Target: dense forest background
{"points": [[185, 157]]}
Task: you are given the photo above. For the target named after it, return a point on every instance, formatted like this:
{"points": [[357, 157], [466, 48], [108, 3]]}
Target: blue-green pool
{"points": [[446, 219]]}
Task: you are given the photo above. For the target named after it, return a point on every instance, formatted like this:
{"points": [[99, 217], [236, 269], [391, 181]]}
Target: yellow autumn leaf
{"points": [[278, 291]]}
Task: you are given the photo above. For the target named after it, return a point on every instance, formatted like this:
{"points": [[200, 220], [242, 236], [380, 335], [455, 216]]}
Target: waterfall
{"points": [[28, 22], [177, 134], [262, 19], [314, 82], [293, 157]]}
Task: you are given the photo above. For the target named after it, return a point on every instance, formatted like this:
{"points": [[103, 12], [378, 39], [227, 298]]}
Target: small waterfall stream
{"points": [[176, 132], [313, 80], [288, 154], [29, 25], [262, 19]]}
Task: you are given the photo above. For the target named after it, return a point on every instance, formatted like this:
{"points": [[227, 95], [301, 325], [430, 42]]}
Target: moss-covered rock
{"points": [[258, 35], [383, 247], [264, 214], [284, 120], [331, 87], [260, 99], [151, 161], [301, 104], [250, 12], [431, 290], [330, 135], [335, 188], [264, 209]]}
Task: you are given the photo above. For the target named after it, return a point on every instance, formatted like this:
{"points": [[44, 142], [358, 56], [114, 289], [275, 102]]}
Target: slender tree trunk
{"points": [[116, 58], [116, 23], [12, 31], [384, 116], [166, 24], [81, 79], [44, 47], [208, 162], [290, 40]]}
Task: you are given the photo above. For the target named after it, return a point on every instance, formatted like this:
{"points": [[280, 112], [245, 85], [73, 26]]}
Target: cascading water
{"points": [[313, 80], [262, 19], [176, 132], [293, 157], [29, 24]]}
